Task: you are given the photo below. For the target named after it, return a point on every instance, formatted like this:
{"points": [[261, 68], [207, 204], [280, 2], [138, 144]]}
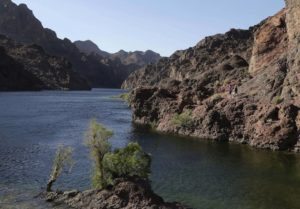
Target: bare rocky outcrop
{"points": [[188, 93], [129, 193]]}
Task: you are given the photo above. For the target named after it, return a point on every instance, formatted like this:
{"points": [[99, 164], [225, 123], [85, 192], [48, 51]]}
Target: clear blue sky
{"points": [[161, 25]]}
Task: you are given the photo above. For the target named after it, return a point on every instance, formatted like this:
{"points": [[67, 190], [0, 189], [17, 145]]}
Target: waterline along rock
{"points": [[241, 86]]}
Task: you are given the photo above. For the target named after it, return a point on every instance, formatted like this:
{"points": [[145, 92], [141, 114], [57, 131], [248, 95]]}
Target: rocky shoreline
{"points": [[191, 94], [129, 193]]}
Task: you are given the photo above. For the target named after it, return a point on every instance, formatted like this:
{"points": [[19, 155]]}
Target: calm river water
{"points": [[201, 174]]}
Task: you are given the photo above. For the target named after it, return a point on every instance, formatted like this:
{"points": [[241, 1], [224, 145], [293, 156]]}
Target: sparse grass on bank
{"points": [[184, 119], [278, 100], [124, 96]]}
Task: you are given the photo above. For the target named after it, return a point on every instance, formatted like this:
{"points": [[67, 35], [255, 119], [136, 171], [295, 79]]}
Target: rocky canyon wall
{"points": [[292, 84], [191, 92]]}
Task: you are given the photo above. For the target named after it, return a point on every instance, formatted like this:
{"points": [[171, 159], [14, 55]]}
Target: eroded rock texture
{"points": [[189, 93], [292, 84], [130, 193]]}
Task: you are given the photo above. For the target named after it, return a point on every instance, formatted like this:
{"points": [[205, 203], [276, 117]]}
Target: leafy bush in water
{"points": [[126, 162], [62, 162], [96, 140], [184, 119]]}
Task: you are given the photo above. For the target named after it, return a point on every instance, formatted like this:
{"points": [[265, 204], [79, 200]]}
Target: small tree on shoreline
{"points": [[96, 140], [62, 162]]}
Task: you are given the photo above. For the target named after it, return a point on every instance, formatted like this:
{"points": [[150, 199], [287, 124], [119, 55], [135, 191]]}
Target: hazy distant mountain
{"points": [[137, 57], [127, 58], [89, 47], [18, 23]]}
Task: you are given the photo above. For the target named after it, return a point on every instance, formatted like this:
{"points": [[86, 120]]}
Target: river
{"points": [[198, 173]]}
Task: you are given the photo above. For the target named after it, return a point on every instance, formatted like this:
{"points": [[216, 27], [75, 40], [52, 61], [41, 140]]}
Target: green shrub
{"points": [[125, 96], [62, 162], [126, 162], [153, 125], [96, 140], [184, 119], [108, 165], [278, 100]]}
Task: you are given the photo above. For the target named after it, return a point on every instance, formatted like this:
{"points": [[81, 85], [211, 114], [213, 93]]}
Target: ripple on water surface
{"points": [[202, 174]]}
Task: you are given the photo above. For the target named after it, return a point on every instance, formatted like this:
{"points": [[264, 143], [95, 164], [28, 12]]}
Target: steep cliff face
{"points": [[28, 67], [292, 83], [19, 23], [234, 87], [230, 50]]}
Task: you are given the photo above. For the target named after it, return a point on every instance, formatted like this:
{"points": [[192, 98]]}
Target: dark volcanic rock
{"points": [[89, 47], [19, 23], [260, 63], [13, 76], [213, 56], [28, 67], [292, 82], [131, 193]]}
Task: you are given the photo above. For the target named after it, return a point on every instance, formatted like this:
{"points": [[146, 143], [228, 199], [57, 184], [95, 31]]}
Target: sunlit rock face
{"points": [[192, 87], [292, 88]]}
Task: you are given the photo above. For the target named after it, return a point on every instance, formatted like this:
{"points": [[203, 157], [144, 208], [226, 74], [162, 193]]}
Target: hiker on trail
{"points": [[235, 90], [230, 89]]}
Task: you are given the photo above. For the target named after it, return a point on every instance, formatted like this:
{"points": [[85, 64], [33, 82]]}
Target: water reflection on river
{"points": [[204, 175]]}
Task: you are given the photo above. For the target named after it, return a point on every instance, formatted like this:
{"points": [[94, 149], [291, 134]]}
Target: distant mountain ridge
{"points": [[19, 23], [127, 58], [137, 57], [89, 47]]}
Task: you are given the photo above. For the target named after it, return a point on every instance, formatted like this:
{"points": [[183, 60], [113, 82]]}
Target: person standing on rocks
{"points": [[230, 89], [235, 90]]}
